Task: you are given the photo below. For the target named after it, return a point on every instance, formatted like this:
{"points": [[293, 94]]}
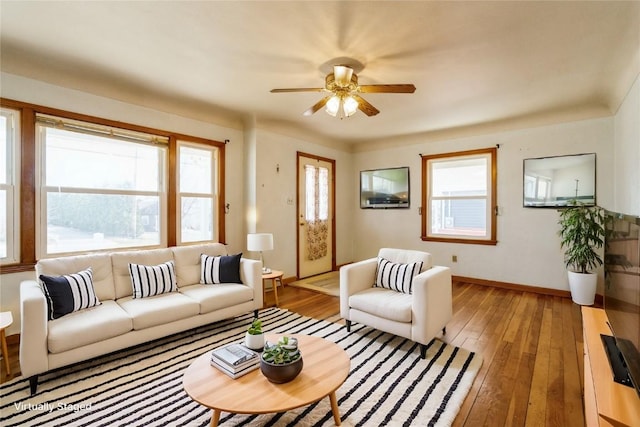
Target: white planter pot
{"points": [[583, 287], [254, 342]]}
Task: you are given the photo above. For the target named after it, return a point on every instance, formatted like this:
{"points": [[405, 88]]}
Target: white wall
{"points": [[276, 197], [627, 154], [528, 250]]}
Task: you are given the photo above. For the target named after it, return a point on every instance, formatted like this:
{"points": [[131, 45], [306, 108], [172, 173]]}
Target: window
{"points": [[317, 206], [198, 192], [9, 188], [459, 196], [100, 188]]}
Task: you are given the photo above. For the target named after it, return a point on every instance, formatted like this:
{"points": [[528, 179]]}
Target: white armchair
{"points": [[418, 316]]}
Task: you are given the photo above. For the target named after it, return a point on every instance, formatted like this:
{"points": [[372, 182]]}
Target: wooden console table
{"points": [[606, 403]]}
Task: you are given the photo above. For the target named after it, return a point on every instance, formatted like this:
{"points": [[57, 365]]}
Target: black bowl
{"points": [[280, 374]]}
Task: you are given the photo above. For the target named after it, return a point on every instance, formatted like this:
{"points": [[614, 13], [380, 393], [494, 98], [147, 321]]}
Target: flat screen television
{"points": [[384, 188], [622, 297]]}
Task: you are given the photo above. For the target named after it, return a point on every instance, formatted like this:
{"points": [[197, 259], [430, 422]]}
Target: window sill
{"points": [[16, 268], [458, 240]]}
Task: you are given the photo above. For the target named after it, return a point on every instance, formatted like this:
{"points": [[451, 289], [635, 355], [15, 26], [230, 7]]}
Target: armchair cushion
{"points": [[383, 303], [395, 276]]}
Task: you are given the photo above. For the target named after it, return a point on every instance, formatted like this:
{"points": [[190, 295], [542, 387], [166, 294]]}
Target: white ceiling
{"points": [[474, 64]]}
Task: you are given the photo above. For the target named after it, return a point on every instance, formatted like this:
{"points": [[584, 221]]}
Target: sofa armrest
{"points": [[33, 329], [354, 278], [432, 304], [251, 275]]}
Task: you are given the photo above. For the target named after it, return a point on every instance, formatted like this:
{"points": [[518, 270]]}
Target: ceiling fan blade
{"points": [[365, 107], [298, 89], [402, 88], [317, 106]]}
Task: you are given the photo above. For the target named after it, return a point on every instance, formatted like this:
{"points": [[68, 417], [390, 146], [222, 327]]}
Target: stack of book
{"points": [[235, 359]]}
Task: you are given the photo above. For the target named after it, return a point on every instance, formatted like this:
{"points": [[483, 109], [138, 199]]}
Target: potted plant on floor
{"points": [[581, 235], [281, 362], [254, 338]]}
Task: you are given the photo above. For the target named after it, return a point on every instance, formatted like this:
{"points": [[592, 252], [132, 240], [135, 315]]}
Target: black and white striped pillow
{"points": [[397, 277], [69, 293], [220, 269], [148, 281]]}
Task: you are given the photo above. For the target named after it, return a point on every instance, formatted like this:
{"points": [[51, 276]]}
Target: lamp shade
{"points": [[260, 242], [350, 106]]}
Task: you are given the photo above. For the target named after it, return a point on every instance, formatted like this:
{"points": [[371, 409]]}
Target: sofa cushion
{"points": [[150, 280], [383, 303], [100, 265], [159, 309], [88, 326], [216, 297], [395, 276], [220, 269], [68, 293], [187, 259], [121, 261]]}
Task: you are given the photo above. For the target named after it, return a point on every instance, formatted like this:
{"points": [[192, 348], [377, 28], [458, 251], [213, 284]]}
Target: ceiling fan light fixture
{"points": [[350, 106], [333, 105], [342, 75], [341, 105], [342, 93]]}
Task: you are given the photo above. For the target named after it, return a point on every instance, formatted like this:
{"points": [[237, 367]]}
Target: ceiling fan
{"points": [[343, 93]]}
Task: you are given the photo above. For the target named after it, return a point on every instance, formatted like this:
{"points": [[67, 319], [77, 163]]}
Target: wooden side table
{"points": [[274, 276], [6, 319]]}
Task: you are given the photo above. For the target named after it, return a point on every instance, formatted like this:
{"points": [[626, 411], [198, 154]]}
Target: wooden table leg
{"points": [[334, 408], [215, 418], [275, 290], [5, 352]]}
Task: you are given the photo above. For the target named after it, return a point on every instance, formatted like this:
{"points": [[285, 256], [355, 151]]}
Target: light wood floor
{"points": [[531, 346]]}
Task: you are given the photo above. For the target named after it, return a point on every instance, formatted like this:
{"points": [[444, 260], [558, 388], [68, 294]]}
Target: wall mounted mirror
{"points": [[552, 182]]}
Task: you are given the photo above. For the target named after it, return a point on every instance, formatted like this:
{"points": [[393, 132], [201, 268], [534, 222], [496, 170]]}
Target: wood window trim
{"points": [[494, 197], [28, 224], [300, 154]]}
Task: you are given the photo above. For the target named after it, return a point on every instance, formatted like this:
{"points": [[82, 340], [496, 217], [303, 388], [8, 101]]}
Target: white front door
{"points": [[316, 231]]}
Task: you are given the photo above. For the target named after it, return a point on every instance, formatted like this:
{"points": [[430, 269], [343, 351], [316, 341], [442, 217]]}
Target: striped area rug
{"points": [[389, 383]]}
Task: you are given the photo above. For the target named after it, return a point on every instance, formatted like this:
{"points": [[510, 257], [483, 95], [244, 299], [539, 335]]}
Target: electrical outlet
{"points": [[454, 258], [290, 200]]}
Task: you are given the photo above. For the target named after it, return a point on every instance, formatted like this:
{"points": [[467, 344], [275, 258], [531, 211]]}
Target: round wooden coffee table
{"points": [[326, 367]]}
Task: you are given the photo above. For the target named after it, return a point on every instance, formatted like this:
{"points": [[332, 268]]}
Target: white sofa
{"points": [[418, 316], [120, 320]]}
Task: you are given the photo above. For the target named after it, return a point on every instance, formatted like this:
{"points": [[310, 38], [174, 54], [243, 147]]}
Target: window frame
{"points": [[12, 186], [44, 188], [491, 197], [28, 183], [213, 195]]}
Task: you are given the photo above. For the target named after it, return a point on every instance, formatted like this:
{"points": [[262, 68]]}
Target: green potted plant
{"points": [[281, 362], [581, 235], [254, 338]]}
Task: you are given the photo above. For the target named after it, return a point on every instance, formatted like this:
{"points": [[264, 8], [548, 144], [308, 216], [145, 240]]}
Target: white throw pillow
{"points": [[153, 280], [397, 277]]}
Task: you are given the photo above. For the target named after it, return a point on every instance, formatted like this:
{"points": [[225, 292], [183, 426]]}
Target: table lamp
{"points": [[260, 242]]}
